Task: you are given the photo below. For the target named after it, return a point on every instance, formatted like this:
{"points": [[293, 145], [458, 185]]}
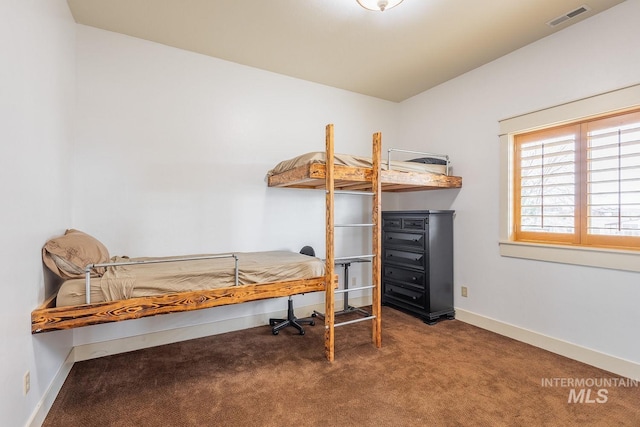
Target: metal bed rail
{"points": [[444, 157], [89, 267]]}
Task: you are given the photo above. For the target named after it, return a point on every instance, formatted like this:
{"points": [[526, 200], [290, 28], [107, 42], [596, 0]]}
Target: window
{"points": [[579, 171], [579, 183]]}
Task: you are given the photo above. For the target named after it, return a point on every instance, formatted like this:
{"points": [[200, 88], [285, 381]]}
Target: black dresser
{"points": [[417, 262]]}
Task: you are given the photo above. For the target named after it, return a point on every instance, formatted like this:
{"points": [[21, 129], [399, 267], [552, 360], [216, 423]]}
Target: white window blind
{"points": [[548, 184], [613, 179]]}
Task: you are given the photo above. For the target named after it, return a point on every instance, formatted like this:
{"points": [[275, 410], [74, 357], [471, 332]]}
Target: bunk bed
{"points": [[98, 289], [339, 173], [429, 172], [360, 175]]}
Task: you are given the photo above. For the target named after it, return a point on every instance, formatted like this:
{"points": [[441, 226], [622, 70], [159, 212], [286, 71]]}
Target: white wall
{"points": [[172, 150], [589, 307], [37, 78]]}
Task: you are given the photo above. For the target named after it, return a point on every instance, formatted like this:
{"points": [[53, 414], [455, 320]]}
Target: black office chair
{"points": [[291, 319]]}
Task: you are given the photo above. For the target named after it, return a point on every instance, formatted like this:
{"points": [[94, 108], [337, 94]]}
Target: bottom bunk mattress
{"points": [[131, 281]]}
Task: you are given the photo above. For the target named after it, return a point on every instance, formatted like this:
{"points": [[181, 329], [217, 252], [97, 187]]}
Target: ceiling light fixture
{"points": [[379, 5]]}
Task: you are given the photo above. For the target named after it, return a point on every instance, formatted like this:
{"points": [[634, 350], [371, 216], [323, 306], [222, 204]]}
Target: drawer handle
{"points": [[414, 278]]}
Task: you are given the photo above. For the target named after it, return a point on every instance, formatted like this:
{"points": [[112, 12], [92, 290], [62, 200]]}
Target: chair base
{"points": [[291, 320]]}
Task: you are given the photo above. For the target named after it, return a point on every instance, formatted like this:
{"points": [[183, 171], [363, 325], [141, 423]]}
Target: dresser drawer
{"points": [[395, 293], [412, 240], [415, 223], [412, 259], [392, 222], [402, 275]]}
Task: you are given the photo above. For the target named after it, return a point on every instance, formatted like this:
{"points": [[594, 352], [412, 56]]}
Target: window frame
{"points": [[529, 236], [596, 239], [609, 103], [580, 130]]}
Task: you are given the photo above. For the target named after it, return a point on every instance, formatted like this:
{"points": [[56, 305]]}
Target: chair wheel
{"points": [[302, 332], [313, 314], [312, 323], [275, 332]]}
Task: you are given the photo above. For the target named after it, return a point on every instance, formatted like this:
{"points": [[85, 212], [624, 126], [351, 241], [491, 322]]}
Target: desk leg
{"points": [[346, 286], [346, 307]]}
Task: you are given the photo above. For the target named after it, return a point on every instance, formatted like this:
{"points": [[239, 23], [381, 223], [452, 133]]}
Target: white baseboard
{"points": [[618, 366], [44, 405]]}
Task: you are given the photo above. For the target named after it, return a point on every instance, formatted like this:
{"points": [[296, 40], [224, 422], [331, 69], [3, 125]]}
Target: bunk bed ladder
{"points": [[329, 314]]}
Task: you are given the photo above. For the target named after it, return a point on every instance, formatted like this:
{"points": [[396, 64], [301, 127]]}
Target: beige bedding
{"points": [[156, 279], [354, 161]]}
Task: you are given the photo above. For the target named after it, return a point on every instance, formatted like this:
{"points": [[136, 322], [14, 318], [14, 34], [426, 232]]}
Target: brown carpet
{"points": [[450, 374]]}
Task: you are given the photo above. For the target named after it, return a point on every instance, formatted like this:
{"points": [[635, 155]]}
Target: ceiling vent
{"points": [[567, 16]]}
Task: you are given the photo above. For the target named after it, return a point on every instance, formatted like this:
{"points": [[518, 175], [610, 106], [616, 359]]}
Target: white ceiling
{"points": [[391, 55]]}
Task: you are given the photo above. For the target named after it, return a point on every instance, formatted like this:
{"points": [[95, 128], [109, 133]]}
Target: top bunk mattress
{"points": [[131, 281], [354, 161]]}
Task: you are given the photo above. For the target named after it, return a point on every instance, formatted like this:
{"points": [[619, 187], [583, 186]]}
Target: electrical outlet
{"points": [[26, 383], [464, 291]]}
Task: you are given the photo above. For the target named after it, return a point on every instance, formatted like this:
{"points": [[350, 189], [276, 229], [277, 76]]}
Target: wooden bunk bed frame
{"points": [[314, 176], [335, 178], [47, 317], [326, 176]]}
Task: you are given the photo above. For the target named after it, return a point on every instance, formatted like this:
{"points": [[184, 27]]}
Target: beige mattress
{"points": [[354, 161], [124, 282]]}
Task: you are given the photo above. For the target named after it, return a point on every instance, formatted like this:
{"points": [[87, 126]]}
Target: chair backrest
{"points": [[308, 250]]}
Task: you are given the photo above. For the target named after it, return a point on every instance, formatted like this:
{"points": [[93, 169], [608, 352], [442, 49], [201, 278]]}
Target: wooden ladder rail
{"points": [[329, 304], [376, 187]]}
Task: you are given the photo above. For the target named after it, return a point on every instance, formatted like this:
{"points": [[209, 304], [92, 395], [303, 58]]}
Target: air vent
{"points": [[570, 15]]}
